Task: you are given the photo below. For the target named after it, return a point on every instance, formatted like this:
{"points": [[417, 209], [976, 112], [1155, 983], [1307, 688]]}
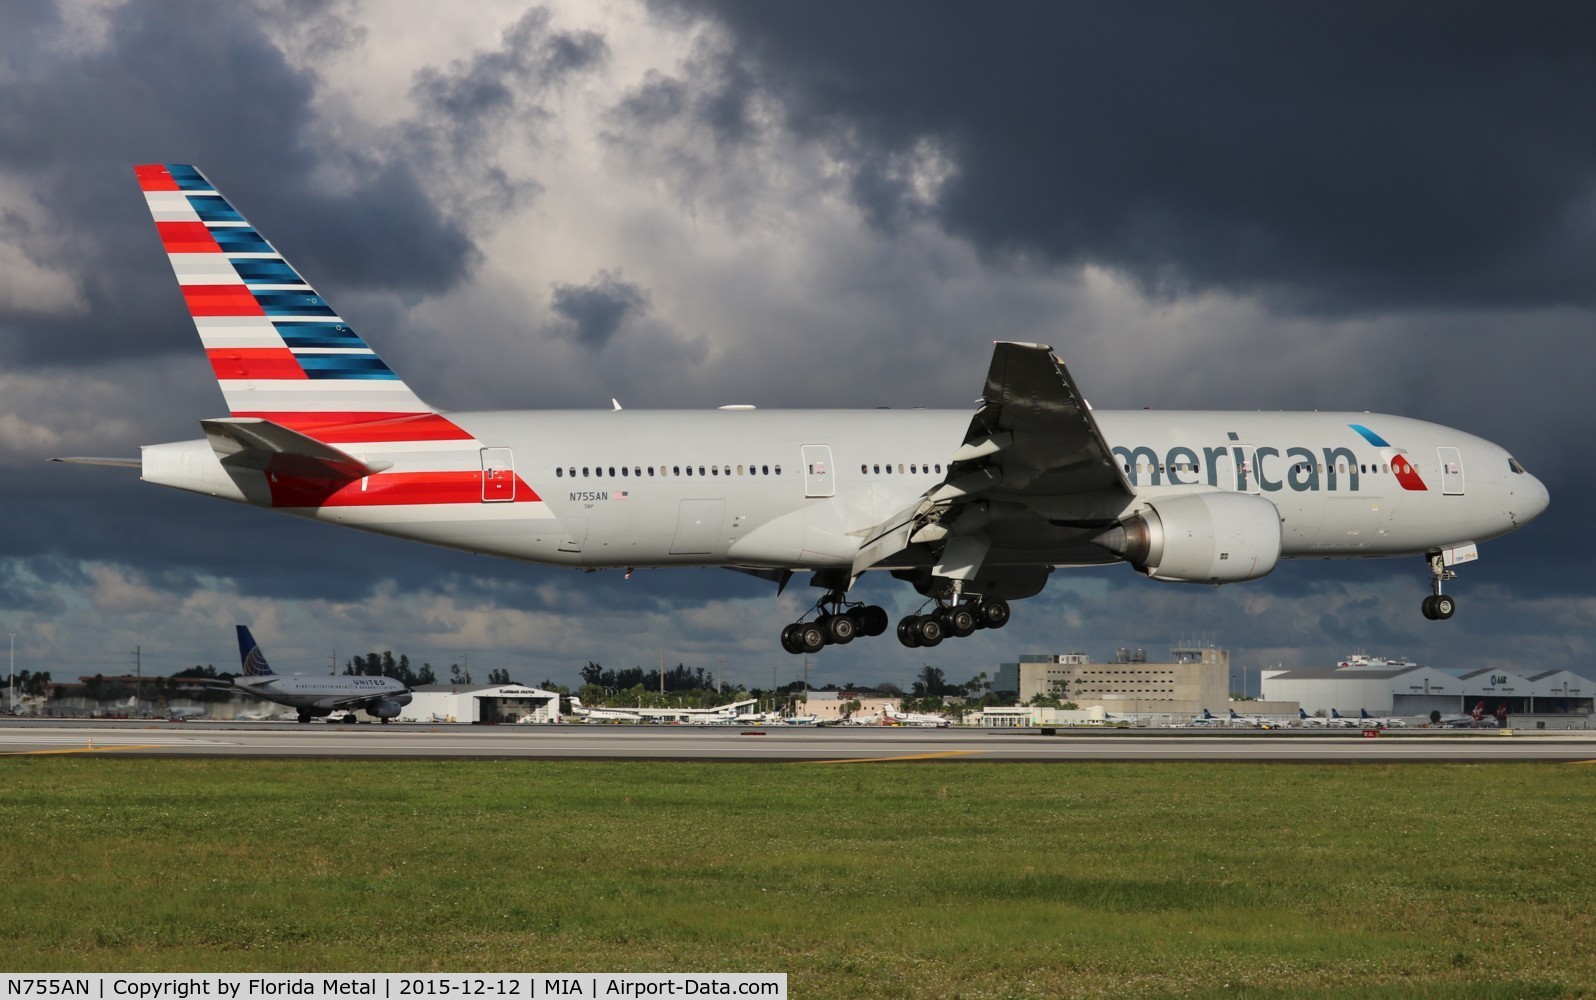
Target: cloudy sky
{"points": [[684, 204]]}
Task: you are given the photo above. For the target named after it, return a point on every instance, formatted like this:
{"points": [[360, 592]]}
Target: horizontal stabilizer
{"points": [[256, 443], [120, 463]]}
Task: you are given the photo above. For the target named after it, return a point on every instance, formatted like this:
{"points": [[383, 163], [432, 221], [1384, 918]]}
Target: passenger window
{"points": [[559, 472], [777, 468], [714, 470], [585, 472], [764, 470], [700, 470], [689, 470], [739, 470], [623, 470]]}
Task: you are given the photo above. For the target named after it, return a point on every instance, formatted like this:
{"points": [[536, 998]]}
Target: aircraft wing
{"points": [[1032, 442], [264, 446]]}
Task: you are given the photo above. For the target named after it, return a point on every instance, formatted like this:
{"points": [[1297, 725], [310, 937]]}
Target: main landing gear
{"points": [[839, 622], [957, 620], [1438, 607]]}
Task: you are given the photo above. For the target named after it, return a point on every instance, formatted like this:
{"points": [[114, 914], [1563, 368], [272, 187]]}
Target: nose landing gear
{"points": [[1438, 607]]}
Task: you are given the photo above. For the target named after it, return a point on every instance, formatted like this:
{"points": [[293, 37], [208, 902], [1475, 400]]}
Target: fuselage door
{"points": [[1451, 471], [498, 475], [1238, 474], [575, 533], [817, 471]]}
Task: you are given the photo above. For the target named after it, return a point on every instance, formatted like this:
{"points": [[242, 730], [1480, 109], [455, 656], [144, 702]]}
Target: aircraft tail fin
{"points": [[1334, 714], [278, 349], [1301, 714], [249, 654]]}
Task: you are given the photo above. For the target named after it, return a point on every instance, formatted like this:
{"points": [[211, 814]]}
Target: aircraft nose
{"points": [[1537, 498]]}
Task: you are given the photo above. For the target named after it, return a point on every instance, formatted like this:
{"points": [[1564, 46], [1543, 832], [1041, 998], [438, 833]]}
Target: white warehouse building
{"points": [[1559, 697], [481, 703]]}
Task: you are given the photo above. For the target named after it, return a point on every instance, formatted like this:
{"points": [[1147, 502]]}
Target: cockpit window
{"points": [[1512, 463]]}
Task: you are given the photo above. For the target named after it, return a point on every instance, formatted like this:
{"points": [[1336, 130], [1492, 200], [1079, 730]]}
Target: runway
{"points": [[773, 744]]}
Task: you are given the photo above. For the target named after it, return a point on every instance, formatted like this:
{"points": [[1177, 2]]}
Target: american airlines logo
{"points": [[1265, 468]]}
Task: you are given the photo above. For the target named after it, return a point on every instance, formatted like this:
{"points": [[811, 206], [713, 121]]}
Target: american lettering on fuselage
{"points": [[973, 510]]}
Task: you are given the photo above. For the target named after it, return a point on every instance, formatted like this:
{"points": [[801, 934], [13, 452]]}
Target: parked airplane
{"points": [[1379, 721], [1312, 721], [600, 714], [914, 718], [1339, 721], [184, 713], [973, 511], [317, 695], [1243, 720], [1205, 719]]}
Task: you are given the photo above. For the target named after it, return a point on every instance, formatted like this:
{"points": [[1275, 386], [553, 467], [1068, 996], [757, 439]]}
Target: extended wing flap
{"points": [[259, 444], [1032, 444], [1035, 426]]}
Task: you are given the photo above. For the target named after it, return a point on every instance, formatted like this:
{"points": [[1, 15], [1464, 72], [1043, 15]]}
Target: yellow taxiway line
{"points": [[890, 760], [91, 748]]}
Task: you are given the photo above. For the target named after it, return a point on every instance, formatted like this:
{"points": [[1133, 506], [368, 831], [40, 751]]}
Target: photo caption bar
{"points": [[391, 986]]}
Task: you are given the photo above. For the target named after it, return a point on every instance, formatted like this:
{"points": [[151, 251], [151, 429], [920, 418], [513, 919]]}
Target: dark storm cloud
{"points": [[474, 95], [596, 310], [1343, 156], [201, 83]]}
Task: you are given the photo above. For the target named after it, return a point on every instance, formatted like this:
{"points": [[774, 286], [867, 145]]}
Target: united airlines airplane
{"points": [[973, 510], [317, 695]]}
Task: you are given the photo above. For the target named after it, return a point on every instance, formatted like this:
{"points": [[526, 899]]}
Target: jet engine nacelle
{"points": [[389, 708], [1201, 538]]}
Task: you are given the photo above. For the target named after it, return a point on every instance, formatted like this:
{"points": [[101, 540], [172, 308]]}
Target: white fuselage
{"points": [[799, 489], [311, 691]]}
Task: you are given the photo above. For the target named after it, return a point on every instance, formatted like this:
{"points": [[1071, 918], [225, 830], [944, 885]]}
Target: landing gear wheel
{"points": [[958, 621], [928, 630], [873, 620], [810, 638], [839, 629], [304, 716], [907, 633], [789, 639], [1439, 607], [995, 613]]}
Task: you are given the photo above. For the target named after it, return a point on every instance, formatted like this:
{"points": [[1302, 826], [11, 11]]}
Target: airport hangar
{"points": [[485, 704], [1555, 699]]}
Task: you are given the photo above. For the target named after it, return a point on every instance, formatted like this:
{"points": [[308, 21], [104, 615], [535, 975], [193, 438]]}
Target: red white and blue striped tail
{"points": [[279, 350]]}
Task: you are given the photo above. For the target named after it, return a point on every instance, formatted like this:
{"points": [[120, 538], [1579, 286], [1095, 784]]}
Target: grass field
{"points": [[896, 880]]}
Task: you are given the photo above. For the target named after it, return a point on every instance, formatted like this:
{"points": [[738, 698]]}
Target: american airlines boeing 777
{"points": [[973, 510]]}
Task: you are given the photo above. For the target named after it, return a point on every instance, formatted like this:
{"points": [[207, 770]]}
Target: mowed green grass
{"points": [[857, 880]]}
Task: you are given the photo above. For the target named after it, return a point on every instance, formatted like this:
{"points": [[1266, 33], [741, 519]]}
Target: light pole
{"points": [[11, 677]]}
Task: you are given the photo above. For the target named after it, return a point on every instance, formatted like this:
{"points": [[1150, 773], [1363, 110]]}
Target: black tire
{"points": [[873, 620], [839, 629], [810, 638], [1445, 607], [928, 629], [907, 633], [995, 612], [789, 639], [959, 621]]}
